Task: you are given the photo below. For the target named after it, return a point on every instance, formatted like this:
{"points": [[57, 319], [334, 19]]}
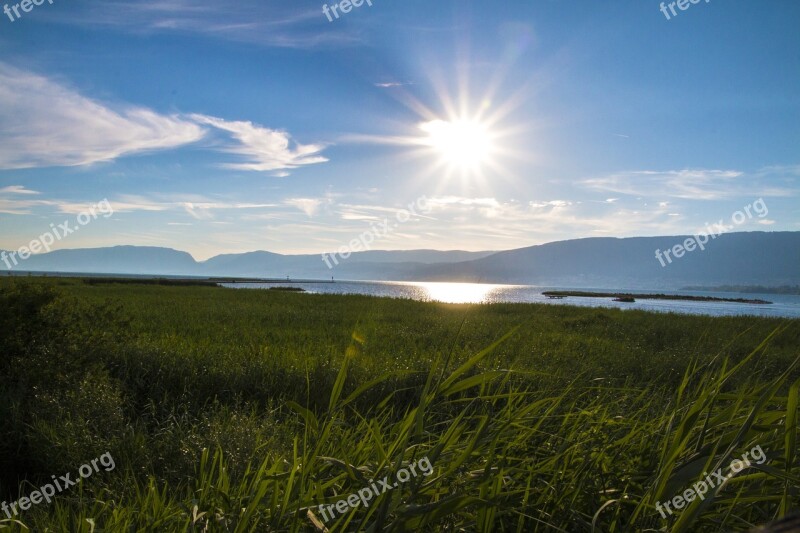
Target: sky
{"points": [[229, 127]]}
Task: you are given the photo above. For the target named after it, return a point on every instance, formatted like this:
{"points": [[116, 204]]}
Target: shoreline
{"points": [[621, 296]]}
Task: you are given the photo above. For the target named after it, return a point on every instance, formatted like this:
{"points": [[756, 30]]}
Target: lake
{"points": [[784, 305]]}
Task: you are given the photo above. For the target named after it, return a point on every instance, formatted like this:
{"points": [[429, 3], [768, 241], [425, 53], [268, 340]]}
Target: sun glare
{"points": [[457, 293], [462, 144]]}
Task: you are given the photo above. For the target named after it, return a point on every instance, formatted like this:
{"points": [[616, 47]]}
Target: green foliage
{"points": [[233, 410], [57, 400]]}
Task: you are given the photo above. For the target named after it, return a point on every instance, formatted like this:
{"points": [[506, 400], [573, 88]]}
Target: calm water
{"points": [[783, 306]]}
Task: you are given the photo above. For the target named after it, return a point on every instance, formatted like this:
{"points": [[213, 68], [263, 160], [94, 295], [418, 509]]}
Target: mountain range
{"points": [[762, 258]]}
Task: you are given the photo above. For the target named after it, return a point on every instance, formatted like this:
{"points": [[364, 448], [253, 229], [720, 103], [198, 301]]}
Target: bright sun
{"points": [[463, 144]]}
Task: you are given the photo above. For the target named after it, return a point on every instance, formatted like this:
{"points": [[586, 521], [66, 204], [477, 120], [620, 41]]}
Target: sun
{"points": [[461, 143]]}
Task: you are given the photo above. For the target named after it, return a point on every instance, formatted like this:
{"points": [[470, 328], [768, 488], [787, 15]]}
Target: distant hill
{"points": [[113, 260], [757, 258], [418, 256], [141, 260], [374, 264]]}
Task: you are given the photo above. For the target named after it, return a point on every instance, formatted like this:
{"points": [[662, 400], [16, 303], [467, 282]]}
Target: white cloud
{"points": [[128, 203], [309, 206], [17, 189], [352, 215], [700, 184], [277, 24], [16, 200], [199, 207], [266, 149], [391, 84], [512, 224], [370, 213], [553, 203], [19, 207], [43, 123], [205, 210]]}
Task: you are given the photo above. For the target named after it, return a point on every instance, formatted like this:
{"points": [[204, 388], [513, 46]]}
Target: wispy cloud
{"points": [[552, 203], [19, 200], [309, 206], [372, 213], [43, 123], [197, 206], [510, 223], [260, 22], [392, 84], [266, 149], [17, 189], [700, 184], [16, 206]]}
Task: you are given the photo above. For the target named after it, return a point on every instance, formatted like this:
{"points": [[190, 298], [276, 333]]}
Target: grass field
{"points": [[236, 410]]}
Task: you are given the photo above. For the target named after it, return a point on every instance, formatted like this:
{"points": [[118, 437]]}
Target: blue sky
{"points": [[218, 127]]}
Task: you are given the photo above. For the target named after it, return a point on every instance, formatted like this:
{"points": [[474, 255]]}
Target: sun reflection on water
{"points": [[458, 293]]}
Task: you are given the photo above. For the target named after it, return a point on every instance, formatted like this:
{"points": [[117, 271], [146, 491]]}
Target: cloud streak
{"points": [[258, 22], [265, 149], [700, 184], [44, 124], [18, 189], [309, 206]]}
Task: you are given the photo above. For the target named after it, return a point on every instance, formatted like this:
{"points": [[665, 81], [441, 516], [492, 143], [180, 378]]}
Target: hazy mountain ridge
{"points": [[145, 260], [111, 260], [737, 258], [757, 258]]}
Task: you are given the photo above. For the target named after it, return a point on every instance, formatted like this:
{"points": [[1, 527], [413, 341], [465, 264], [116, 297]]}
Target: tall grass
{"points": [[534, 418]]}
